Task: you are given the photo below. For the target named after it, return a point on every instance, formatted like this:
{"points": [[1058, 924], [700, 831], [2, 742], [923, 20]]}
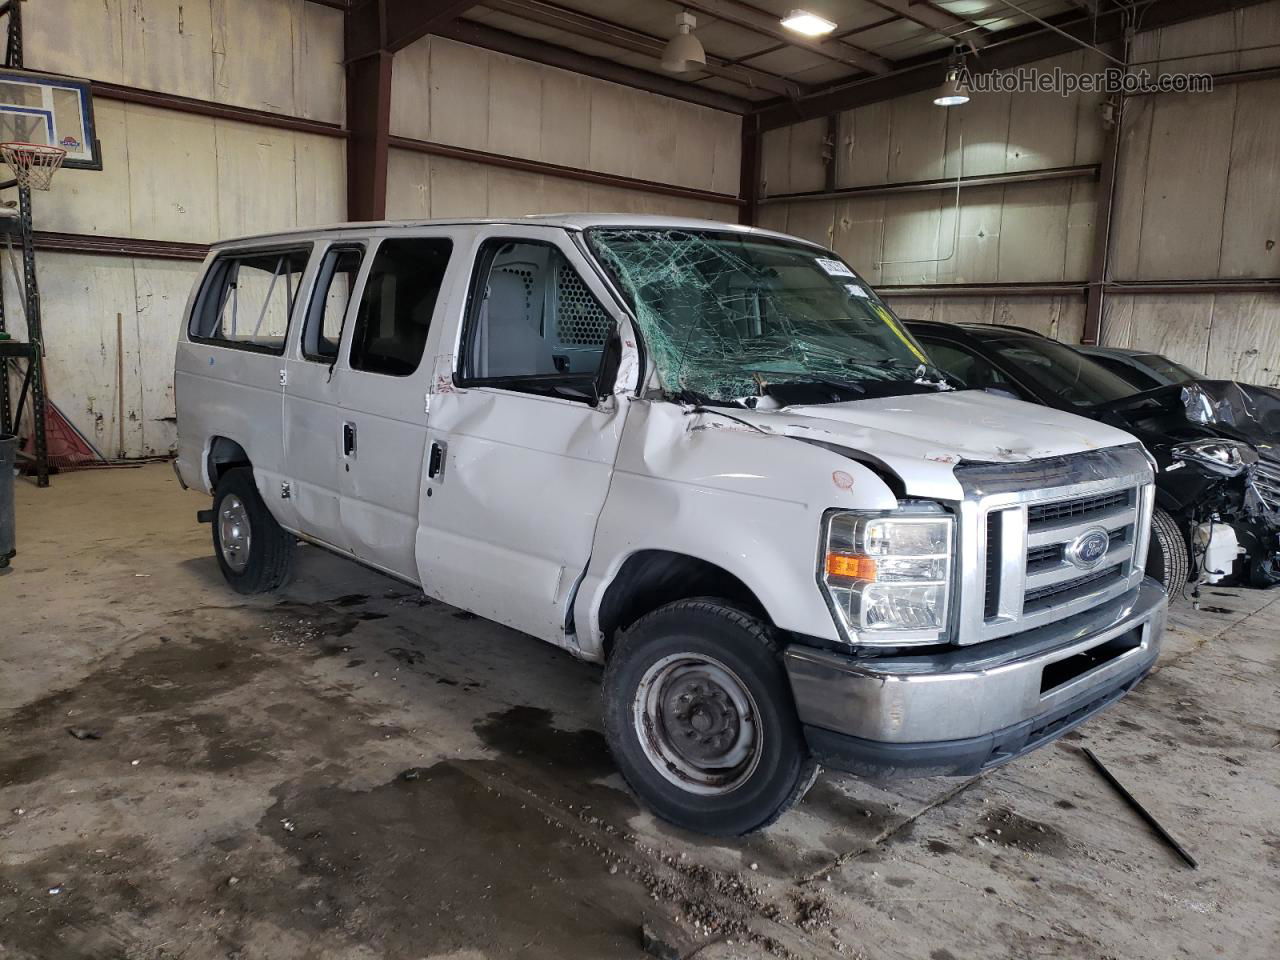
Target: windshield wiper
{"points": [[917, 371]]}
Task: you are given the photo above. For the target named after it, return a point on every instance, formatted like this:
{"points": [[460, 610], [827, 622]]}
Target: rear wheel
{"points": [[253, 551], [1168, 559], [699, 717]]}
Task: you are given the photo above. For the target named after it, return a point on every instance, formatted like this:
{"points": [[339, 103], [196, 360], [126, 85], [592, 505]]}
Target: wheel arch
{"points": [[224, 454], [652, 578]]}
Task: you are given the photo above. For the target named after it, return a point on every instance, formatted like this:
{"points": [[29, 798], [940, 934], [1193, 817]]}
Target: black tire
{"points": [[268, 561], [1168, 558], [769, 785]]}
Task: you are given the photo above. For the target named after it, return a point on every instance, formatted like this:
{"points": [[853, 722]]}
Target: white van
{"points": [[706, 456]]}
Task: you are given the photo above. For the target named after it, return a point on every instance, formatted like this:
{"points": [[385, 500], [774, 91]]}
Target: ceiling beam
{"points": [[733, 11], [1022, 45], [385, 26], [527, 48], [938, 20], [593, 28]]}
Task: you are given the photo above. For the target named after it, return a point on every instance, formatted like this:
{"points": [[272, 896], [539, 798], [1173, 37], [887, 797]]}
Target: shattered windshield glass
{"points": [[726, 315]]}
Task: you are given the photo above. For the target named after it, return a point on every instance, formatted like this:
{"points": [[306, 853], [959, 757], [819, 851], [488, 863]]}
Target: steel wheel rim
{"points": [[234, 535], [697, 724]]}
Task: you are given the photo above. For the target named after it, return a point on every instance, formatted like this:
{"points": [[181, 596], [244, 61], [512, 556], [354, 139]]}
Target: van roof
{"points": [[569, 221]]}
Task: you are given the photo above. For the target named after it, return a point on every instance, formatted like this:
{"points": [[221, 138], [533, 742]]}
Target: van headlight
{"points": [[1227, 457], [887, 576]]}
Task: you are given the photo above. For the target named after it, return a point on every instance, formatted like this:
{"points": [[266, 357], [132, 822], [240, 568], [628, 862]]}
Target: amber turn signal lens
{"points": [[853, 566]]}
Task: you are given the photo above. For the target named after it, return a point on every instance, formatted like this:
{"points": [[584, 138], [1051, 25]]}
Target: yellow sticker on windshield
{"points": [[891, 322]]}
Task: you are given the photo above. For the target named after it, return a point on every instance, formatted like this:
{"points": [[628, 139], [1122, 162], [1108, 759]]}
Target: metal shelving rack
{"points": [[33, 349]]}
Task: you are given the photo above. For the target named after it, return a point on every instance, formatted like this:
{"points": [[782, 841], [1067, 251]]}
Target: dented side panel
{"points": [[748, 501]]}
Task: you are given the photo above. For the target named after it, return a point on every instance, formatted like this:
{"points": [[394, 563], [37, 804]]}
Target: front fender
{"points": [[748, 501]]}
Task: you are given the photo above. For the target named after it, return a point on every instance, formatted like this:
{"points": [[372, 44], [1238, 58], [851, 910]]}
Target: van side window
{"points": [[532, 321], [248, 299], [398, 301], [335, 282]]}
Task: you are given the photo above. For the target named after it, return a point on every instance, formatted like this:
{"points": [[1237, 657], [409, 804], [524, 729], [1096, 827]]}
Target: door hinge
{"points": [[286, 490], [284, 377]]}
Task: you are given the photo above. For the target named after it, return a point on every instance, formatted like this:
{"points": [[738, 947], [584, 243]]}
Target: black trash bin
{"points": [[8, 520]]}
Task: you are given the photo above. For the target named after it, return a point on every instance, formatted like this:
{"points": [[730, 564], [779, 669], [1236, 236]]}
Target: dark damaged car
{"points": [[1216, 444]]}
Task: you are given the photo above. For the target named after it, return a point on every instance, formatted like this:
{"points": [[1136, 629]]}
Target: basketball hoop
{"points": [[33, 164]]}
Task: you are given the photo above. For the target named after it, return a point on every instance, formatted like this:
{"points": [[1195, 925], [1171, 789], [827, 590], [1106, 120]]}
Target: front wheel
{"points": [[253, 551], [699, 717], [1168, 559]]}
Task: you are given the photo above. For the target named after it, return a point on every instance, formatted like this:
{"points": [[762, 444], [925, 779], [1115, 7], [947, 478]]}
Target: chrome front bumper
{"points": [[969, 708]]}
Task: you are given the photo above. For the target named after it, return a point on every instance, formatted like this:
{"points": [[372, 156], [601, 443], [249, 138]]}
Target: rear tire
{"points": [[1168, 558], [699, 717], [254, 553]]}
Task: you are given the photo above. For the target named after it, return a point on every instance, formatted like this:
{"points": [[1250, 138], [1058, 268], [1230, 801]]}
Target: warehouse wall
{"points": [[1014, 232], [171, 176], [1198, 198], [450, 93]]}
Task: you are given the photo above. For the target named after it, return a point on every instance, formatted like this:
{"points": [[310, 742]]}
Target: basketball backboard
{"points": [[51, 110]]}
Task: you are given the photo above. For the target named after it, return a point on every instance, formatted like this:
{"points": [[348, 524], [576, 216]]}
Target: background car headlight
{"points": [[1227, 457], [887, 576]]}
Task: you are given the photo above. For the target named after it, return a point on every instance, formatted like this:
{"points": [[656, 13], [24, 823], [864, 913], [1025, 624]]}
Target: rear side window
{"points": [[334, 285], [398, 302], [248, 299]]}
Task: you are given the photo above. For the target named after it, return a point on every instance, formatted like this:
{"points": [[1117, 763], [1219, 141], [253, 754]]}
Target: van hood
{"points": [[922, 437]]}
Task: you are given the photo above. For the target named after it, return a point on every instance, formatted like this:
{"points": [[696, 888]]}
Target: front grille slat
{"points": [[1042, 597], [1075, 510]]}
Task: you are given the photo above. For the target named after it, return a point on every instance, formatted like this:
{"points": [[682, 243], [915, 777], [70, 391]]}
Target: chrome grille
{"points": [[1018, 521], [1266, 478]]}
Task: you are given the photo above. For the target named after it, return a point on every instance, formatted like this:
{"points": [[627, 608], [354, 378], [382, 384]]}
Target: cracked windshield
{"points": [[730, 318]]}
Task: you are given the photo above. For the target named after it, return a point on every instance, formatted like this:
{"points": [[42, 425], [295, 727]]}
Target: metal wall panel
{"points": [[81, 296], [174, 176], [1252, 220], [419, 185], [279, 55], [1187, 167], [455, 94]]}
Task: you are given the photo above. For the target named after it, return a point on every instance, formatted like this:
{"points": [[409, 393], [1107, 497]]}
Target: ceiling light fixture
{"points": [[953, 91], [809, 24], [684, 52]]}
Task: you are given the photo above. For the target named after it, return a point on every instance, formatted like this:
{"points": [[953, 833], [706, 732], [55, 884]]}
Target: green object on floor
{"points": [[4, 336]]}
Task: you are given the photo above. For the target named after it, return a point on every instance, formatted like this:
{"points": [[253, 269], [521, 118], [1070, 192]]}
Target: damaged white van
{"points": [[706, 456]]}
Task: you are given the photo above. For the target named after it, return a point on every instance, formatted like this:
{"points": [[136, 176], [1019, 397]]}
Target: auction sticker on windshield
{"points": [[834, 267]]}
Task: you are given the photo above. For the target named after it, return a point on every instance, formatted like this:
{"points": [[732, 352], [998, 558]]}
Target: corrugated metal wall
{"points": [[1198, 198], [171, 176], [174, 176], [450, 93]]}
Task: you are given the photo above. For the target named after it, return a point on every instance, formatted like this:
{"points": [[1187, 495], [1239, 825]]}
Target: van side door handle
{"points": [[435, 462], [348, 439]]}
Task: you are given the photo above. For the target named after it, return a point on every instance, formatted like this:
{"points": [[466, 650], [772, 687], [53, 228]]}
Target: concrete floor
{"points": [[345, 771]]}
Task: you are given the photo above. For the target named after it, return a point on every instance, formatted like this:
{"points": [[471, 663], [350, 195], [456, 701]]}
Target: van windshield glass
{"points": [[727, 315]]}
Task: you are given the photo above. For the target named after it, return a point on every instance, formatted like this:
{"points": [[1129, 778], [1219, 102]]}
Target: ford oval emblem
{"points": [[1089, 549]]}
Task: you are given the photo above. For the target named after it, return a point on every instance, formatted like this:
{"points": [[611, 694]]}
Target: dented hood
{"points": [[923, 436]]}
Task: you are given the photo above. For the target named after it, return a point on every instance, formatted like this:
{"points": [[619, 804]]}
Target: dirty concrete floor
{"points": [[345, 771]]}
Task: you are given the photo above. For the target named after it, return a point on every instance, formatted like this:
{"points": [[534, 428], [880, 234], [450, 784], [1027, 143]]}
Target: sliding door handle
{"points": [[348, 439]]}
